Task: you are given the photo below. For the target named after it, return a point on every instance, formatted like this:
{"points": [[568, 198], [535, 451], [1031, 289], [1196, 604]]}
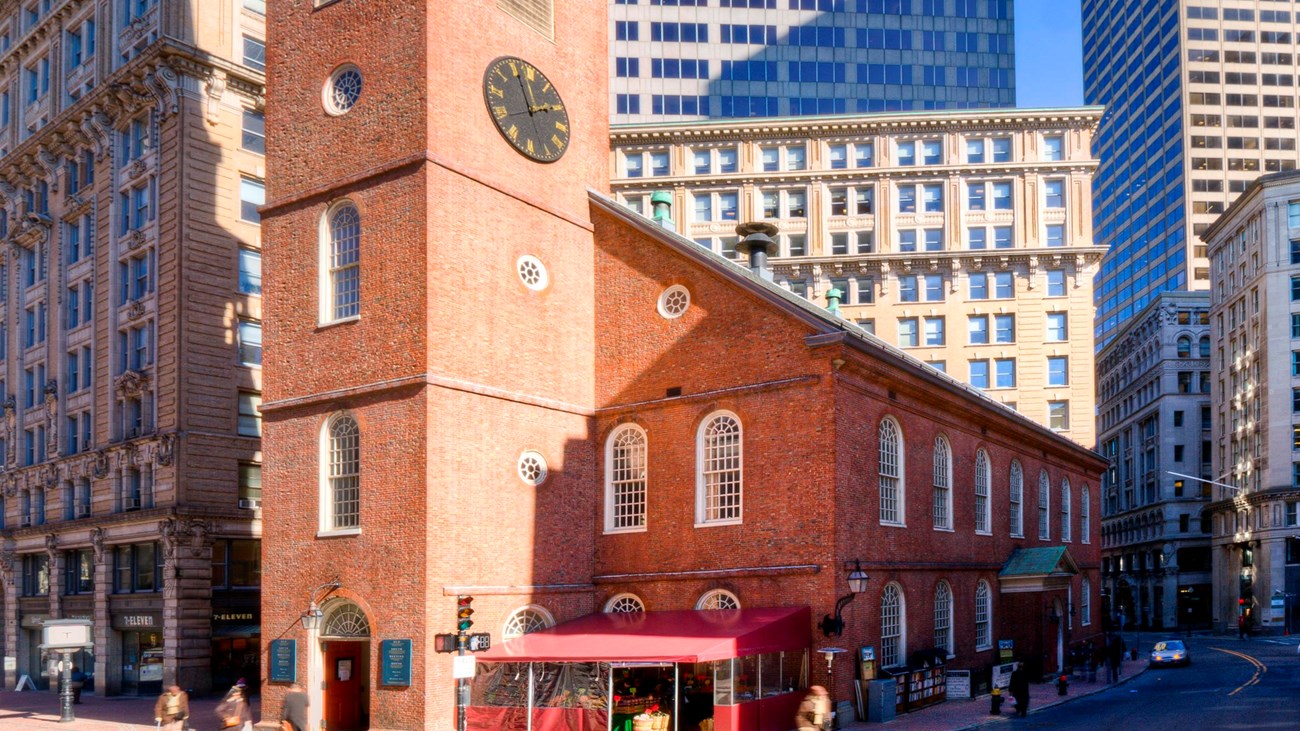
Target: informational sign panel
{"points": [[284, 661], [959, 684], [1006, 650], [1002, 675], [71, 634], [867, 662], [396, 657]]}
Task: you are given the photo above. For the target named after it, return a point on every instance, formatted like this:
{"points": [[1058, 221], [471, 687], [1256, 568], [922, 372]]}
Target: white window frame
{"points": [[538, 618], [326, 454], [702, 518], [1044, 507], [616, 443], [717, 599], [1085, 602], [1017, 499], [1066, 535], [330, 275], [942, 502], [623, 603], [943, 635], [983, 616], [983, 477], [1085, 516], [893, 626], [891, 471]]}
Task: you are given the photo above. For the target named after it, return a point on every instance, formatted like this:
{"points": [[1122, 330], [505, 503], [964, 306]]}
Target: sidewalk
{"points": [[964, 714], [39, 711]]}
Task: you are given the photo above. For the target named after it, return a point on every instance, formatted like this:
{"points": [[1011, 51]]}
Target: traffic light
{"points": [[1241, 602], [463, 613]]}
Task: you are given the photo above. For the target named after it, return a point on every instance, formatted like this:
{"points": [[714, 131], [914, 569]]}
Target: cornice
{"points": [[848, 176]]}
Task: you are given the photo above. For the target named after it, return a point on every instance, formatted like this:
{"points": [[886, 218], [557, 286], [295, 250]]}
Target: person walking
{"points": [[815, 711], [1020, 690], [294, 709], [1114, 657], [171, 709], [1243, 627], [234, 710], [78, 683]]}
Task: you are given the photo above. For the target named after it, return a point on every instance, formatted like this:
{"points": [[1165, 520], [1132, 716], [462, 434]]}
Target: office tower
{"points": [[131, 164], [1153, 386], [1199, 101], [1254, 363], [676, 60], [964, 238]]}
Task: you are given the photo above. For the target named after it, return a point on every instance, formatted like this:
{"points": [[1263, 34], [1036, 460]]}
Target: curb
{"points": [[1060, 700]]}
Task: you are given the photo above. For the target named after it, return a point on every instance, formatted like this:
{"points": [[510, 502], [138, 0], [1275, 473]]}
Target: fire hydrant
{"points": [[1063, 685], [995, 700]]}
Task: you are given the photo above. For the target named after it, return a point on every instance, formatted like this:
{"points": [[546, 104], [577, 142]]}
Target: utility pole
{"points": [[464, 611]]}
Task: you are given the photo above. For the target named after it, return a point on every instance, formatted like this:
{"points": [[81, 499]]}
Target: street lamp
{"points": [[311, 618], [833, 626]]}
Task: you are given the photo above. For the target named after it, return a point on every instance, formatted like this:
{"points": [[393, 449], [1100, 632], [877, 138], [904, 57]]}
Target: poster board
{"points": [[959, 684]]}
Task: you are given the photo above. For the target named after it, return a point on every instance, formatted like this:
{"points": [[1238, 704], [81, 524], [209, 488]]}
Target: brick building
{"points": [[131, 160], [487, 379]]}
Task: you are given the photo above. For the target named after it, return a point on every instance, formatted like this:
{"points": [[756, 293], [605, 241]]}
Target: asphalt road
{"points": [[1231, 684]]}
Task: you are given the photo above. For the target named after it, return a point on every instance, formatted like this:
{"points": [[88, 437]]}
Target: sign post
{"points": [[66, 636]]}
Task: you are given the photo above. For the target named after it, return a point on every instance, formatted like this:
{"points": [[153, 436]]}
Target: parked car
{"points": [[1170, 652]]}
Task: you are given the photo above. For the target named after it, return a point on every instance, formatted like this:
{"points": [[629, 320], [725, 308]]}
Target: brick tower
{"points": [[427, 271]]}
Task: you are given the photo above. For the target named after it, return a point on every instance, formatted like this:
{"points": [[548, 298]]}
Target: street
{"points": [[1231, 683]]}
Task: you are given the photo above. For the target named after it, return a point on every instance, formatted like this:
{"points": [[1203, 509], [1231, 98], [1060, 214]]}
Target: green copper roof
{"points": [[1038, 562]]}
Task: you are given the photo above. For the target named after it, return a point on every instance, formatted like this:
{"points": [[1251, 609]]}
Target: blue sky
{"points": [[1049, 53]]}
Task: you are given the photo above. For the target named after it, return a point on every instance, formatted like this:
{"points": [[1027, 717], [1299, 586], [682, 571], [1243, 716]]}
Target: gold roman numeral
{"points": [[562, 126], [513, 132], [530, 73], [496, 91], [529, 146], [500, 111], [555, 140]]}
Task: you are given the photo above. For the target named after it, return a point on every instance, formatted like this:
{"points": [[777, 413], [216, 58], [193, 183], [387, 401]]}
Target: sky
{"points": [[1049, 53]]}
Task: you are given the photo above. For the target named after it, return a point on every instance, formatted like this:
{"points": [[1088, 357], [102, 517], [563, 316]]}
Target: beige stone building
{"points": [[131, 165], [1254, 253], [963, 237]]}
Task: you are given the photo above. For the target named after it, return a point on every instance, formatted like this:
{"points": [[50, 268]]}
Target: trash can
{"points": [[882, 695]]}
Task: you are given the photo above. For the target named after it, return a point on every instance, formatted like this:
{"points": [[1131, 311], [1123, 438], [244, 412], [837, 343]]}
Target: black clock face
{"points": [[526, 108]]}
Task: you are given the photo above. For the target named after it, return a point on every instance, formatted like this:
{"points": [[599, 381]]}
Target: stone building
{"points": [[965, 238], [131, 166], [1255, 396], [1154, 416], [488, 379]]}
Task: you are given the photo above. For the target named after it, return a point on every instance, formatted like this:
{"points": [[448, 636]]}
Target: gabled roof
{"points": [[1039, 562], [829, 327]]}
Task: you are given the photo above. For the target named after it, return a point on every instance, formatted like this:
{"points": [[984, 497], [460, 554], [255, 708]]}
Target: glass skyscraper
{"points": [[1200, 100], [674, 60]]}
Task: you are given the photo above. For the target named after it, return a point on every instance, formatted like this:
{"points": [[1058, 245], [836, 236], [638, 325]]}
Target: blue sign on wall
{"points": [[396, 658], [284, 661]]}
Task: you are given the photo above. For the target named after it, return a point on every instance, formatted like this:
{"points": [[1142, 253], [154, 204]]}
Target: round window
{"points": [[674, 301], [343, 89], [532, 468], [532, 272]]}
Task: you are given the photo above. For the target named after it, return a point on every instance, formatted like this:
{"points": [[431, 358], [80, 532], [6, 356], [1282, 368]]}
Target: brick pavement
{"points": [[39, 711]]}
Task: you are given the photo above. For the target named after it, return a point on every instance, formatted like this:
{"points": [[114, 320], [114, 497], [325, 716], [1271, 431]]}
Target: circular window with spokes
{"points": [[342, 90], [674, 301], [532, 272], [532, 468]]}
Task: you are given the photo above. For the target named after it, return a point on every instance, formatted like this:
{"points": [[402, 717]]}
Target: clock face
{"points": [[526, 108]]}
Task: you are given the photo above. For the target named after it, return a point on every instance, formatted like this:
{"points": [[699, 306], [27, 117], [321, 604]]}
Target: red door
{"points": [[345, 677]]}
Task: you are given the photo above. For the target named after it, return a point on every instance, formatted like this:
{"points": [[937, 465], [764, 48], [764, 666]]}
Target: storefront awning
{"points": [[236, 630], [683, 636]]}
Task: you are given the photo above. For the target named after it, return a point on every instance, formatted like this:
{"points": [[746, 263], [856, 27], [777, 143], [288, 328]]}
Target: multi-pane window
{"points": [[250, 271], [1004, 328], [254, 53], [1058, 370], [250, 414], [135, 140], [1000, 192], [1044, 500], [1004, 373], [79, 571], [1085, 517], [344, 262], [250, 485], [236, 563], [625, 491], [908, 335], [891, 473], [1065, 510], [982, 479], [983, 624], [253, 136], [1054, 192], [137, 568], [344, 476], [943, 618], [942, 507], [1053, 148], [36, 574], [250, 343], [252, 193], [719, 470], [1017, 497], [977, 329], [934, 331], [1055, 282], [1055, 235], [1085, 603], [1058, 415], [892, 643]]}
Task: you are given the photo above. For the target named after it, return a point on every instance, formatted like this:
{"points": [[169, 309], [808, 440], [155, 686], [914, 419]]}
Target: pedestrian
{"points": [[1114, 657], [294, 710], [172, 708], [78, 682], [1020, 689], [1243, 627], [815, 711], [234, 710]]}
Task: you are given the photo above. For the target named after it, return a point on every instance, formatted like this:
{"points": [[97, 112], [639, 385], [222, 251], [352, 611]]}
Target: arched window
{"points": [[526, 619], [1184, 347], [345, 619], [1017, 500], [1065, 509], [1044, 504], [1085, 515], [892, 618], [341, 498], [982, 517], [625, 479], [943, 618], [719, 471], [341, 263], [942, 484], [623, 603], [1085, 603], [983, 622], [718, 599], [891, 473]]}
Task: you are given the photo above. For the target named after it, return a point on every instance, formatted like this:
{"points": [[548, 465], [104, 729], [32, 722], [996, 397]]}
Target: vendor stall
{"points": [[714, 670]]}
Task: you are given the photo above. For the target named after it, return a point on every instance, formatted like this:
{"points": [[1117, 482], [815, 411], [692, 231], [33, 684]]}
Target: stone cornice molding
{"points": [[980, 260], [852, 176]]}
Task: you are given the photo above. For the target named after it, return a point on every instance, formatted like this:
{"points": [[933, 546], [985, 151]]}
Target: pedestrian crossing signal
{"points": [[463, 613]]}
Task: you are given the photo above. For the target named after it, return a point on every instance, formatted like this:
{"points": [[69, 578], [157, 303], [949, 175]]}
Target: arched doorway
{"points": [[345, 647]]}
